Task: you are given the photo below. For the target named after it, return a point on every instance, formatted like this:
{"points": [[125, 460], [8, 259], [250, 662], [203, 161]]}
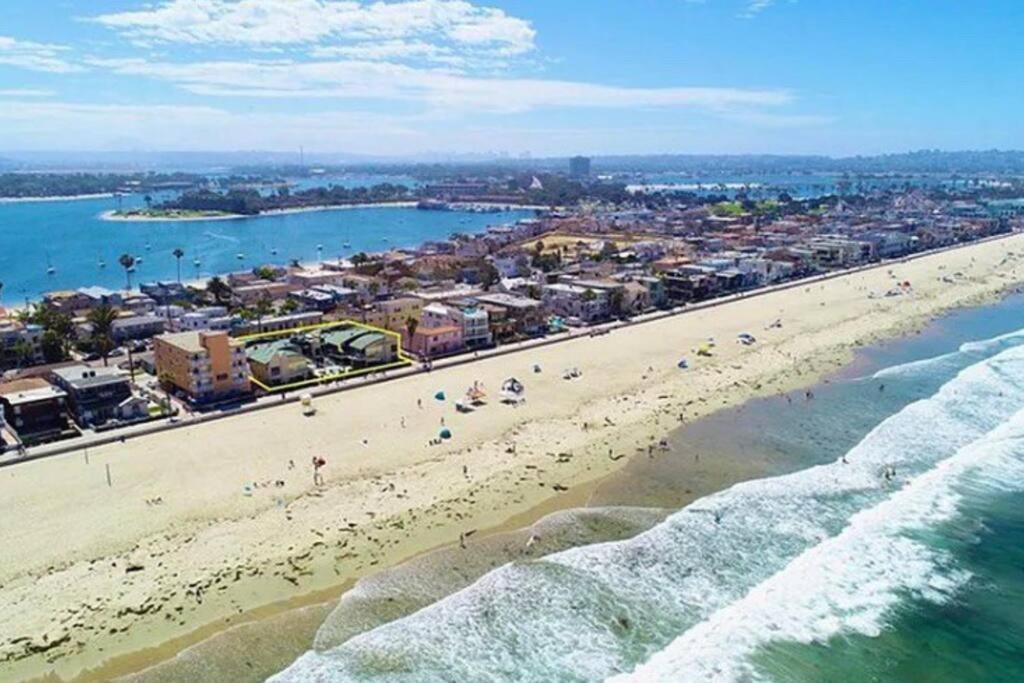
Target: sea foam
{"points": [[797, 557]]}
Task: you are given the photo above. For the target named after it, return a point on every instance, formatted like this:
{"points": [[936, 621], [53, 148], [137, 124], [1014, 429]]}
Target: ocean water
{"points": [[893, 553], [70, 237]]}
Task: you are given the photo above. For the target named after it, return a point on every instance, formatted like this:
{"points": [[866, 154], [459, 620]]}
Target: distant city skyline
{"points": [[412, 77]]}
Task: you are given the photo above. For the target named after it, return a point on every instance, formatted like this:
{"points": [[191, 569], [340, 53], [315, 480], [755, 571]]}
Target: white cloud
{"points": [[436, 89], [308, 23], [35, 56], [755, 7], [26, 92], [74, 126]]}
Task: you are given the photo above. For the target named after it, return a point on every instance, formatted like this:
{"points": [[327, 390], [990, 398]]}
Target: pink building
{"points": [[430, 342]]}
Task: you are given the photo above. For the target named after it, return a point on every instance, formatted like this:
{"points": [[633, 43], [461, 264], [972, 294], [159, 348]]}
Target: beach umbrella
{"points": [[439, 396], [446, 433]]}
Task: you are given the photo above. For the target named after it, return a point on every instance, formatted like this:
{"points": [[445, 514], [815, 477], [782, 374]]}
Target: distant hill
{"points": [[923, 161]]}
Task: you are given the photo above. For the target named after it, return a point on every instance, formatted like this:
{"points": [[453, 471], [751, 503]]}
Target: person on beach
{"points": [[318, 479]]}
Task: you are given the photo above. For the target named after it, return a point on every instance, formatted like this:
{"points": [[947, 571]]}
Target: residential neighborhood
{"points": [[94, 359]]}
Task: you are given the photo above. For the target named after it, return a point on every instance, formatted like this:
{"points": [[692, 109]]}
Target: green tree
{"points": [[411, 325], [489, 276], [23, 353], [219, 290], [102, 319], [58, 332], [127, 262]]}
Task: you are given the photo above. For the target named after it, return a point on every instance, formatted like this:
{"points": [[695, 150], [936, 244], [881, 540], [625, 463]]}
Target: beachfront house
{"points": [[576, 303], [511, 316], [431, 342], [35, 410], [472, 319], [359, 347], [206, 367], [97, 396], [278, 362]]}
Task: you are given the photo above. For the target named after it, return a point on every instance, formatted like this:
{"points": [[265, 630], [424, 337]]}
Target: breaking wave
{"points": [[801, 557]]}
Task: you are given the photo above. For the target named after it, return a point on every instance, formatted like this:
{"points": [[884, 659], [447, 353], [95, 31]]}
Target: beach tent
{"points": [[446, 433], [513, 391], [439, 396], [682, 364]]}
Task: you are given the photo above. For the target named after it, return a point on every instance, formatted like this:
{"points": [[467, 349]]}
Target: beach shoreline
{"points": [[112, 215], [569, 432], [56, 198]]}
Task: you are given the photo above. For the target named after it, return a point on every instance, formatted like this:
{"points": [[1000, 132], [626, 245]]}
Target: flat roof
{"points": [[83, 376], [186, 341], [29, 390]]}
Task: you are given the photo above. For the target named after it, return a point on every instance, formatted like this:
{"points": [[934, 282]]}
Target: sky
{"points": [[516, 77]]}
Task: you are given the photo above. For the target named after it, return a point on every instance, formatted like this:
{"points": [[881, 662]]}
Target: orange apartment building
{"points": [[207, 366]]}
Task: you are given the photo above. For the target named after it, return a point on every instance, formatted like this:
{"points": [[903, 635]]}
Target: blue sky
{"points": [[548, 77]]}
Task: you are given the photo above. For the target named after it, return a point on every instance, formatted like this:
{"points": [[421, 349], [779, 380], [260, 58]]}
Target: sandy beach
{"points": [[55, 198], [112, 215], [458, 206], [194, 531]]}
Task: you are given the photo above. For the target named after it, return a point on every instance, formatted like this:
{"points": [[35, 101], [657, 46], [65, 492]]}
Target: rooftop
{"points": [[265, 353], [29, 390], [83, 376]]}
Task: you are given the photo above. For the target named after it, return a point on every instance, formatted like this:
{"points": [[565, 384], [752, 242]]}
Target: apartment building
{"points": [[207, 366]]}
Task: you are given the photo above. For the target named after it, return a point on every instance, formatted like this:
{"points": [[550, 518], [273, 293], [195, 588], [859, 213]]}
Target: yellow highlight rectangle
{"points": [[404, 359]]}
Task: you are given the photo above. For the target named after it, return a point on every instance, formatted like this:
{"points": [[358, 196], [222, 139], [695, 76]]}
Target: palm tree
{"points": [[219, 290], [178, 253], [263, 307], [102, 318], [411, 324], [127, 262]]}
